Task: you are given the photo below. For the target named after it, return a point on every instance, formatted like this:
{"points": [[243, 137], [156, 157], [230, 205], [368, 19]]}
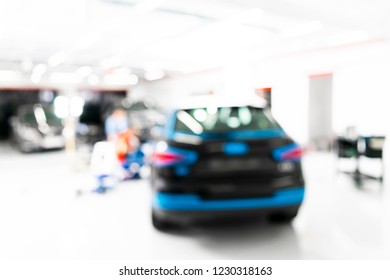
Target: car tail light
{"points": [[293, 154], [288, 153], [166, 155], [167, 158]]}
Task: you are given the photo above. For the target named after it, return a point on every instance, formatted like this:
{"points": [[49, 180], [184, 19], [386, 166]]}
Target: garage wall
{"points": [[364, 92], [289, 90], [361, 76]]}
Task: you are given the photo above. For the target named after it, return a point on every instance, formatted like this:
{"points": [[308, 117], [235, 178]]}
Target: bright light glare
{"points": [[40, 69], [212, 110], [190, 122], [161, 146], [76, 106], [200, 115], [9, 76], [39, 114], [37, 72], [303, 29], [233, 122], [61, 106], [133, 80], [245, 115]]}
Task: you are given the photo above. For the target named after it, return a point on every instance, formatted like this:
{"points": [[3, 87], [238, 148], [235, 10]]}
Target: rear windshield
{"points": [[224, 119], [28, 116]]}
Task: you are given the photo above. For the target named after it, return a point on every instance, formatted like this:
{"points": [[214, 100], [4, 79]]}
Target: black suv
{"points": [[224, 161]]}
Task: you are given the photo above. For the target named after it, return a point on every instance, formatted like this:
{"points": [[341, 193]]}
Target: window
{"points": [[224, 119]]}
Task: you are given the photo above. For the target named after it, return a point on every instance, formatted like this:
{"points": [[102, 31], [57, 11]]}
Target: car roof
{"points": [[221, 101]]}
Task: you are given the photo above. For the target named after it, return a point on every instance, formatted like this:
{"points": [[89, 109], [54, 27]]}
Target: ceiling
{"points": [[123, 38]]}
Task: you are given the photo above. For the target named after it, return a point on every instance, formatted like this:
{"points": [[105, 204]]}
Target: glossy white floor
{"points": [[41, 218]]}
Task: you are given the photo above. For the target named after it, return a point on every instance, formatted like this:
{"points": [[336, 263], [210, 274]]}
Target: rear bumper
{"points": [[194, 203]]}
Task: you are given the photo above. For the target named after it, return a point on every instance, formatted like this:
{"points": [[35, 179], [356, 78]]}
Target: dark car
{"points": [[36, 127], [224, 162], [143, 117]]}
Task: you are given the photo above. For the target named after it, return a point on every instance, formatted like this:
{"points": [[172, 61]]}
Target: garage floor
{"points": [[41, 217]]}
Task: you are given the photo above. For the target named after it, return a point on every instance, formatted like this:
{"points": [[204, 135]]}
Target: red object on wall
{"points": [[265, 93]]}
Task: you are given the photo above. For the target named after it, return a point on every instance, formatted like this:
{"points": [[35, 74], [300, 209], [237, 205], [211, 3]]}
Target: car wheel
{"points": [[283, 217], [161, 224], [24, 148]]}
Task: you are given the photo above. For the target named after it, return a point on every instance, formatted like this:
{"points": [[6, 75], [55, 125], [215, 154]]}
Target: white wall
{"points": [[361, 86], [362, 97]]}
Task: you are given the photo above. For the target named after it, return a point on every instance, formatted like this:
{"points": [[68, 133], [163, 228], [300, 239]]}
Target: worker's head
{"points": [[119, 113]]}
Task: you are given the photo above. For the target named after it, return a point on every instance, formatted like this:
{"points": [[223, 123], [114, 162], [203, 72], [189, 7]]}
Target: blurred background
{"points": [[324, 66]]}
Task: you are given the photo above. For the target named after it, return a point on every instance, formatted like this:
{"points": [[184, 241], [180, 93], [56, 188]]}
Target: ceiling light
{"points": [[37, 72], [76, 106], [349, 38], [152, 75], [40, 69], [36, 78], [133, 80], [9, 76], [302, 29], [61, 106]]}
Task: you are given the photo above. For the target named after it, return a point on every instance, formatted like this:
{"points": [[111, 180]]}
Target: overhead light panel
{"points": [[38, 72]]}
